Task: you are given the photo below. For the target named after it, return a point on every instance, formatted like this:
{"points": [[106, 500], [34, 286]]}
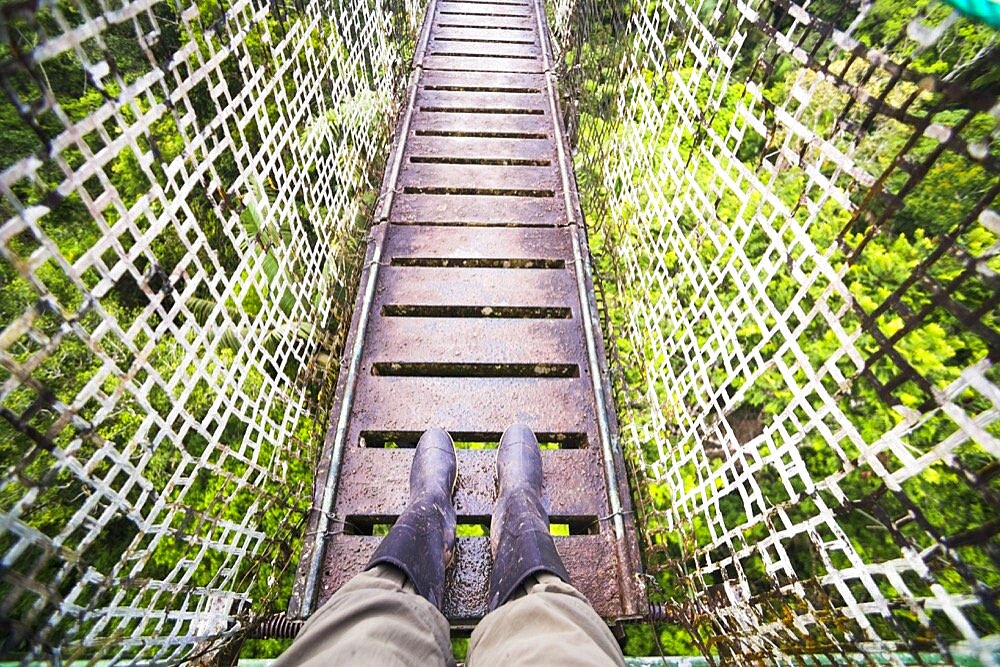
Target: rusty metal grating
{"points": [[475, 312]]}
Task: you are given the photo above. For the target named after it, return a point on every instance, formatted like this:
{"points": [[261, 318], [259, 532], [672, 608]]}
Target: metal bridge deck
{"points": [[475, 310]]}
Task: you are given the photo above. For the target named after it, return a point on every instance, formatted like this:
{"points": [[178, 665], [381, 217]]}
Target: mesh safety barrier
{"points": [[186, 189], [792, 209]]}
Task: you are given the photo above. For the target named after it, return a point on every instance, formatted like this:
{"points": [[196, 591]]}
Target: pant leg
{"points": [[377, 618], [550, 624]]}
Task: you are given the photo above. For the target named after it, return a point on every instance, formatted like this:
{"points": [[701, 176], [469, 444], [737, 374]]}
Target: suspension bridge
{"points": [[735, 262]]}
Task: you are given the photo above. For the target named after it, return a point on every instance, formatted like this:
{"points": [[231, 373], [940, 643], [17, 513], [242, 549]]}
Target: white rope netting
{"points": [[793, 212], [186, 187]]}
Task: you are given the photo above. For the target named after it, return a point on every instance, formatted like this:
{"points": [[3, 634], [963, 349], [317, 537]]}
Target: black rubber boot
{"points": [[519, 532], [422, 542]]}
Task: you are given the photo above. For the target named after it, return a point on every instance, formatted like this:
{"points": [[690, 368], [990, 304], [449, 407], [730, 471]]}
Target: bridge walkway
{"points": [[476, 310]]}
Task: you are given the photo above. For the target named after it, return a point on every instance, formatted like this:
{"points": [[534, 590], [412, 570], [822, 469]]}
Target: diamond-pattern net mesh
{"points": [[185, 193], [793, 213]]}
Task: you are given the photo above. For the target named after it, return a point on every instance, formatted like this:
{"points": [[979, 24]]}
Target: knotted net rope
{"points": [[185, 193], [793, 213]]}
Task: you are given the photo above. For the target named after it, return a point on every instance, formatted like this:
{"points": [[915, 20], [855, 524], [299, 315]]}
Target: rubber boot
{"points": [[519, 531], [422, 541]]}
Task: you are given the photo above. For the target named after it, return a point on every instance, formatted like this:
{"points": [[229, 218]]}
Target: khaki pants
{"points": [[379, 619]]}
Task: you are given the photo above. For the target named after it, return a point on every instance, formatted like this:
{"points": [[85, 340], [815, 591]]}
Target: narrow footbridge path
{"points": [[476, 310]]}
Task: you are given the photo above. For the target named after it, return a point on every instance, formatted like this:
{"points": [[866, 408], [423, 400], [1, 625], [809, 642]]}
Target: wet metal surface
{"points": [[479, 210], [569, 480], [473, 340], [589, 560], [476, 321]]}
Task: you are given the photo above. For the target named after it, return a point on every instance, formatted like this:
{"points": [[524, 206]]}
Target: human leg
{"points": [[389, 614], [536, 616], [377, 618], [547, 622]]}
